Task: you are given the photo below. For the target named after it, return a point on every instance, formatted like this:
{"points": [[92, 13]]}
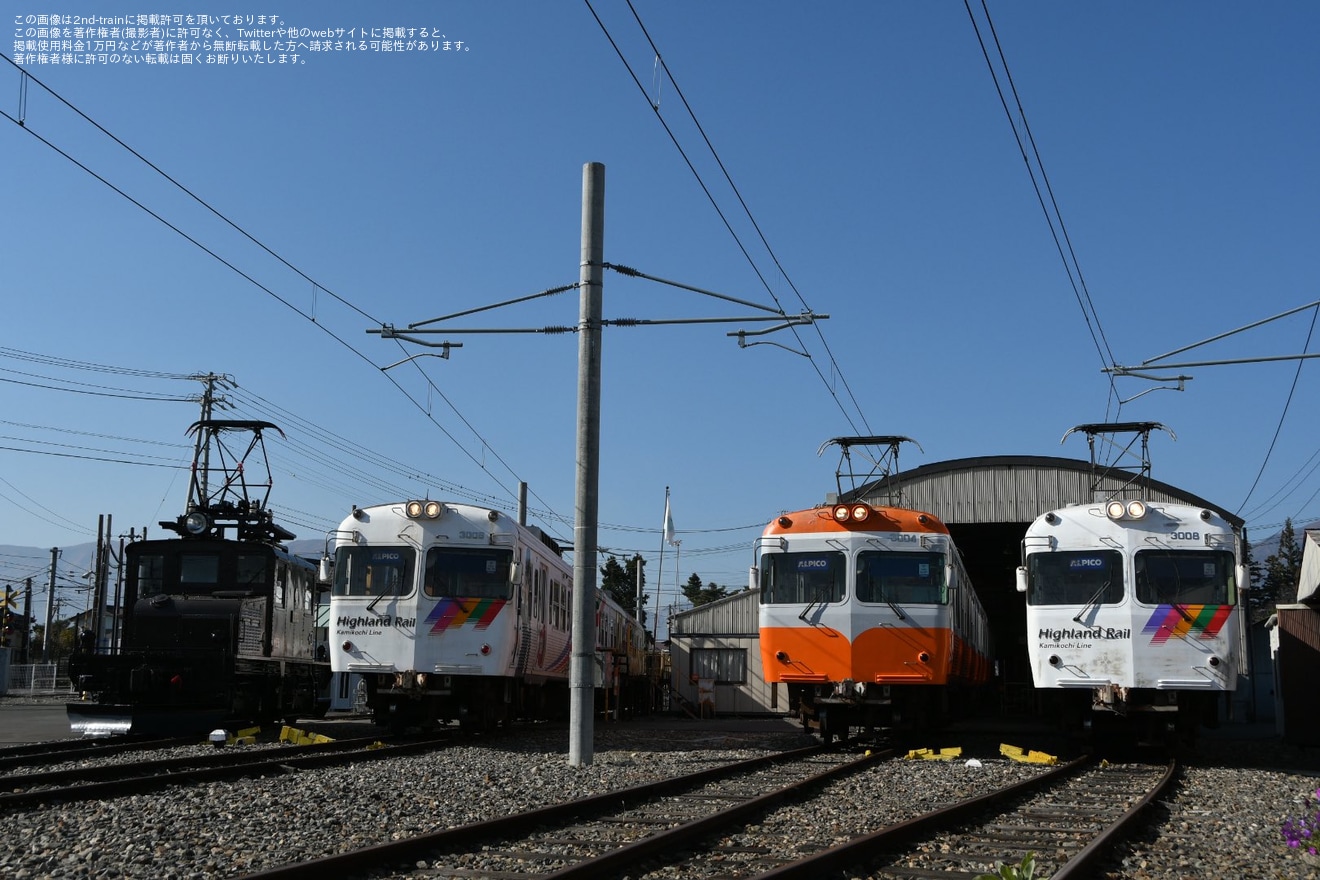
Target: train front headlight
{"points": [[1136, 509], [1115, 509], [841, 513], [196, 523], [413, 509]]}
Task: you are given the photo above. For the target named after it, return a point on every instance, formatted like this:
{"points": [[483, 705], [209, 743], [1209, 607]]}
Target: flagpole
{"points": [[659, 572]]}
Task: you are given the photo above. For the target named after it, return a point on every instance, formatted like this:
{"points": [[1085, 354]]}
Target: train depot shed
{"points": [[987, 502]]}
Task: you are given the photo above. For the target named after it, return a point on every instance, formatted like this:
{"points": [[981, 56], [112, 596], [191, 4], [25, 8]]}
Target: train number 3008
{"points": [[1186, 536]]}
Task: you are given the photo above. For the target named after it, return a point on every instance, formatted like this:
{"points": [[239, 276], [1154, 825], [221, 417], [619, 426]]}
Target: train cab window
{"points": [[477, 572], [1186, 577], [802, 578], [199, 569], [250, 571], [373, 571], [150, 575], [901, 578], [1075, 577]]}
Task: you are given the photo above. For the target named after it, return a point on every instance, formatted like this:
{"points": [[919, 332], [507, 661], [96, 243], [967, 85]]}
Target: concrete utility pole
{"points": [[581, 673], [50, 606]]}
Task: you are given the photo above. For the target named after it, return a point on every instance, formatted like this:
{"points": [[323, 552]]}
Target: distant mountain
{"points": [[18, 563]]}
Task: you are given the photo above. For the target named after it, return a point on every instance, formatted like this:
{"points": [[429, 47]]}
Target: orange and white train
{"points": [[869, 618]]}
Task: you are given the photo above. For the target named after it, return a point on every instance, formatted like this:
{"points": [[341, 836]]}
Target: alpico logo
{"points": [[1099, 633]]}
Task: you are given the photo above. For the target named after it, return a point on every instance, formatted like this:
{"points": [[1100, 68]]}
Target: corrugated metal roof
{"points": [[1013, 488], [732, 615]]}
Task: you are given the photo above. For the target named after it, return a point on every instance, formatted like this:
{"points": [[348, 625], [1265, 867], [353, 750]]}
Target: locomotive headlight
{"points": [[1136, 509], [414, 509], [860, 512], [841, 513], [1115, 509], [196, 523], [433, 509]]}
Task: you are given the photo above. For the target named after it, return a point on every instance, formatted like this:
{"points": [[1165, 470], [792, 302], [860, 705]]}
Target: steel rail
{"points": [[78, 750]]}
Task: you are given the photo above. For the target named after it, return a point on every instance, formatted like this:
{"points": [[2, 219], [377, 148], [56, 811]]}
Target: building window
{"points": [[724, 665]]}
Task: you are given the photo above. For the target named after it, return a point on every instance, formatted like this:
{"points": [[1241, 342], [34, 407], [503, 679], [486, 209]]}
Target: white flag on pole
{"points": [[669, 521]]}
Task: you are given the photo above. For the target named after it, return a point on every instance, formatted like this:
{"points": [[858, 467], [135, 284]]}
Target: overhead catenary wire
{"points": [[654, 105], [432, 388], [1278, 428], [1045, 194]]}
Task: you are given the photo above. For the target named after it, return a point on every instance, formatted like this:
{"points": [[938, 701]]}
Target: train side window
{"points": [[1075, 577], [802, 578]]}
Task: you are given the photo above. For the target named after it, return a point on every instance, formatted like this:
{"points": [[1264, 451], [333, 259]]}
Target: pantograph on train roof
{"points": [[882, 465], [224, 491]]}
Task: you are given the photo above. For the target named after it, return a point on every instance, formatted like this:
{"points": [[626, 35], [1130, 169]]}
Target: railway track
{"points": [[100, 780], [1067, 818], [718, 823], [606, 832]]}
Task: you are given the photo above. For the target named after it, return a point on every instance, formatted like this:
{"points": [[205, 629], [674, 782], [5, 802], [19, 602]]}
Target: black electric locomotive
{"points": [[218, 627]]}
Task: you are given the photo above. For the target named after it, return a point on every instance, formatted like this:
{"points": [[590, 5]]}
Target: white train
{"points": [[453, 612], [1133, 617]]}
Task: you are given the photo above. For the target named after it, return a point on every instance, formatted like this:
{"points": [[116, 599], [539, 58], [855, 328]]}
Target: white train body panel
{"points": [[1133, 603]]}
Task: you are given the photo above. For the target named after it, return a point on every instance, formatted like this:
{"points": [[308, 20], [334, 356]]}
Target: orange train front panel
{"points": [[881, 655]]}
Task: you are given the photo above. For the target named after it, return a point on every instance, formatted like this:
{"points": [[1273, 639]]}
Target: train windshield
{"points": [[802, 578], [477, 572], [374, 571], [1186, 577], [198, 569], [1075, 577], [901, 578]]}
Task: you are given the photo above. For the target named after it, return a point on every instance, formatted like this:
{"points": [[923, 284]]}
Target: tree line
{"points": [[1275, 581], [620, 581]]}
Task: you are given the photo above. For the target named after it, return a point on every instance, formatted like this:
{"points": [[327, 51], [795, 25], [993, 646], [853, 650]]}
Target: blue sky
{"points": [[867, 141]]}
